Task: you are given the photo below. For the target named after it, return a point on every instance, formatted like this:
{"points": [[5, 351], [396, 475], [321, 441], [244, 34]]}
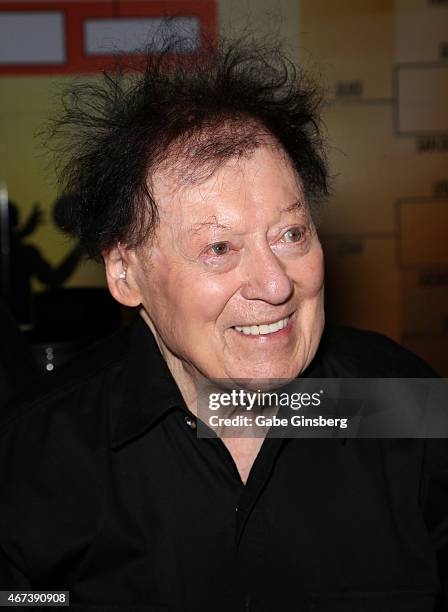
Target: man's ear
{"points": [[120, 265]]}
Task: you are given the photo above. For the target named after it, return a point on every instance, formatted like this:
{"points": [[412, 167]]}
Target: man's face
{"points": [[233, 282]]}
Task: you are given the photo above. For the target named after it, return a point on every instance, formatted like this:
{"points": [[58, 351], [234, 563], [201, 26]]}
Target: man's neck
{"points": [[185, 380]]}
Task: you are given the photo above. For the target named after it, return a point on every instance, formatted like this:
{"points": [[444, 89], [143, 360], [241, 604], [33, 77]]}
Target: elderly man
{"points": [[200, 183]]}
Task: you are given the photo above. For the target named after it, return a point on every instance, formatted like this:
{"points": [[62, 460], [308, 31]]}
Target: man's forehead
{"points": [[240, 191], [174, 175]]}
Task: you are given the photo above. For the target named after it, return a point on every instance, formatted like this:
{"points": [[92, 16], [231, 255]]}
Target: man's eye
{"points": [[295, 234], [220, 248]]}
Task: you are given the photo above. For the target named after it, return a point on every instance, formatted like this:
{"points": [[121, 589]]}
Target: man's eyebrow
{"points": [[213, 221], [297, 205], [209, 222]]}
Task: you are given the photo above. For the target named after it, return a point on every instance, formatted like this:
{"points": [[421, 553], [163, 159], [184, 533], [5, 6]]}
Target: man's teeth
{"points": [[255, 330]]}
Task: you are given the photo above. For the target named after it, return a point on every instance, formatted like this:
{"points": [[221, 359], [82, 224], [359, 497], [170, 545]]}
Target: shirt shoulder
{"points": [[347, 351]]}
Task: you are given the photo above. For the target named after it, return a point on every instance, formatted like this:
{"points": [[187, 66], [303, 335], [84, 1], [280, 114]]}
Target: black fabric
{"points": [[16, 367], [107, 492]]}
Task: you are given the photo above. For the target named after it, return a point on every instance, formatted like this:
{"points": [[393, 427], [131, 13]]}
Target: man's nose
{"points": [[265, 276]]}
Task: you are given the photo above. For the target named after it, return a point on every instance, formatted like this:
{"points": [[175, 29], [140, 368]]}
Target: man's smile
{"points": [[262, 328]]}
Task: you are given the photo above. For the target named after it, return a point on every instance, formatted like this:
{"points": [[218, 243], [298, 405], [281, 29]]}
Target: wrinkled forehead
{"points": [[261, 179]]}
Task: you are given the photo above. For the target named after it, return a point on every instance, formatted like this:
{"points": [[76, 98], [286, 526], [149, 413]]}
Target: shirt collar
{"points": [[145, 388]]}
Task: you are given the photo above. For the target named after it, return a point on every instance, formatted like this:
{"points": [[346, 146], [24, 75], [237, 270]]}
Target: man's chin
{"points": [[262, 379]]}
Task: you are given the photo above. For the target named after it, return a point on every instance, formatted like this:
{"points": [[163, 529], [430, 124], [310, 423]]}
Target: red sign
{"points": [[78, 13]]}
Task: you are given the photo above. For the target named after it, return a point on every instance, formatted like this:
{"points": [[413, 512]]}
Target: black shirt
{"points": [[107, 492], [16, 367]]}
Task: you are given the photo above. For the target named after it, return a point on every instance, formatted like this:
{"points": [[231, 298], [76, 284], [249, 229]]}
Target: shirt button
{"points": [[190, 422]]}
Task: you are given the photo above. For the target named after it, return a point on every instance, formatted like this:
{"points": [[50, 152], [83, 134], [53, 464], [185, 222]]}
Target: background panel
{"points": [[343, 39], [425, 301], [363, 155], [423, 233], [363, 283], [420, 30], [422, 99]]}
